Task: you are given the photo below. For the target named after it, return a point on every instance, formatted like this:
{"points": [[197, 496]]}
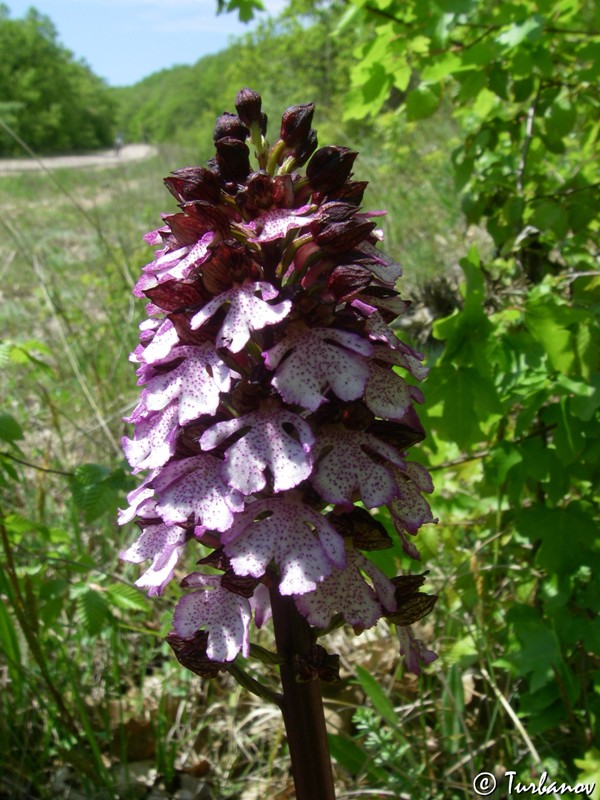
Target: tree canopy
{"points": [[51, 101]]}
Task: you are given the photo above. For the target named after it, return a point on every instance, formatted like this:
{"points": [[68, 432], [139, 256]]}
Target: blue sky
{"points": [[125, 40]]}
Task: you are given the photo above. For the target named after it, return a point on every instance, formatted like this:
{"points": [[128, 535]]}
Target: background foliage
{"points": [[51, 101], [477, 125]]}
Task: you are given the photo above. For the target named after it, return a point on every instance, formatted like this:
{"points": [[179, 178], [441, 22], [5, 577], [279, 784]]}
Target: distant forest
{"points": [[54, 103], [48, 99]]}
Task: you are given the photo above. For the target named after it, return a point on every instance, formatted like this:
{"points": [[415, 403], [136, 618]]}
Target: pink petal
{"points": [[193, 487], [196, 383], [154, 440], [246, 313], [347, 467], [347, 592], [266, 444], [226, 617], [164, 546], [321, 358], [277, 223], [287, 536]]}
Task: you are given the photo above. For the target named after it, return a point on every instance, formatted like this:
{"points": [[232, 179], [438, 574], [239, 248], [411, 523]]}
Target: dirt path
{"points": [[103, 158]]}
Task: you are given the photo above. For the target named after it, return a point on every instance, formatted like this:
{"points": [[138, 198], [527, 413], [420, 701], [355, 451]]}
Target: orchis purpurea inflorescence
{"points": [[274, 414]]}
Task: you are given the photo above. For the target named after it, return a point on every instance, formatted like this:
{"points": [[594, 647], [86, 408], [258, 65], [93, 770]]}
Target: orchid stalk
{"points": [[276, 414]]}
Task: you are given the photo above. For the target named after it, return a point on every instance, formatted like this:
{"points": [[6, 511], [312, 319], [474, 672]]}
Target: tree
{"points": [[51, 101]]}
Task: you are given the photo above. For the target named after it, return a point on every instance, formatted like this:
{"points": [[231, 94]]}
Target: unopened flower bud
{"points": [[230, 126], [233, 158], [191, 653], [295, 124], [248, 104], [330, 167], [306, 149]]}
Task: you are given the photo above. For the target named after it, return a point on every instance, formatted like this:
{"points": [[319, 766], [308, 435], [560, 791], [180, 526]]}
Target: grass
{"points": [[93, 704]]}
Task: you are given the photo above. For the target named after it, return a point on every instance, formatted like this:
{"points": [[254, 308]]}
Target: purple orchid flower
{"points": [[276, 396]]}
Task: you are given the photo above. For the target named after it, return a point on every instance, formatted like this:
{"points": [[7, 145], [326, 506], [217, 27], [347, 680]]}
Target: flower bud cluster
{"points": [[277, 405]]}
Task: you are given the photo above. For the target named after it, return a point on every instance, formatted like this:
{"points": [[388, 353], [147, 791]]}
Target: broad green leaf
{"points": [[368, 98], [540, 651], [93, 611], [590, 771], [377, 696], [127, 598], [549, 320], [460, 402], [442, 67], [10, 430], [530, 28], [401, 76], [484, 103], [564, 534], [549, 215], [422, 102], [559, 119], [501, 459]]}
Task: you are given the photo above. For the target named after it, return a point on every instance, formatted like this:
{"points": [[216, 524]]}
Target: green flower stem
{"points": [[302, 706]]}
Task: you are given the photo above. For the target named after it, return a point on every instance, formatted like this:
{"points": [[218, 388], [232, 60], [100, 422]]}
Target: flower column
{"points": [[273, 417]]}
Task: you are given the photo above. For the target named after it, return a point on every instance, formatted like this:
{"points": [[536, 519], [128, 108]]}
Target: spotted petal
{"points": [[348, 464], [246, 313], [320, 359], [174, 264], [265, 444], [387, 394], [303, 544], [409, 508], [196, 383], [347, 592], [164, 546], [154, 439], [193, 487], [226, 617], [276, 223]]}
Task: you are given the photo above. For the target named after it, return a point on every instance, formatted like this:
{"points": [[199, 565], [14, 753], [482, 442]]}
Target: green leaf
{"points": [[97, 490], [549, 320], [531, 28], [10, 430], [127, 598], [564, 534], [442, 67], [9, 636], [93, 611], [560, 118], [245, 8], [590, 771], [465, 399], [501, 459], [539, 652], [549, 215], [422, 102], [353, 758], [377, 696], [368, 98]]}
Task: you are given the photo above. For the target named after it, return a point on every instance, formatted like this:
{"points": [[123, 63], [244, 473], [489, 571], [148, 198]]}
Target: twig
{"points": [[485, 453], [4, 454]]}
